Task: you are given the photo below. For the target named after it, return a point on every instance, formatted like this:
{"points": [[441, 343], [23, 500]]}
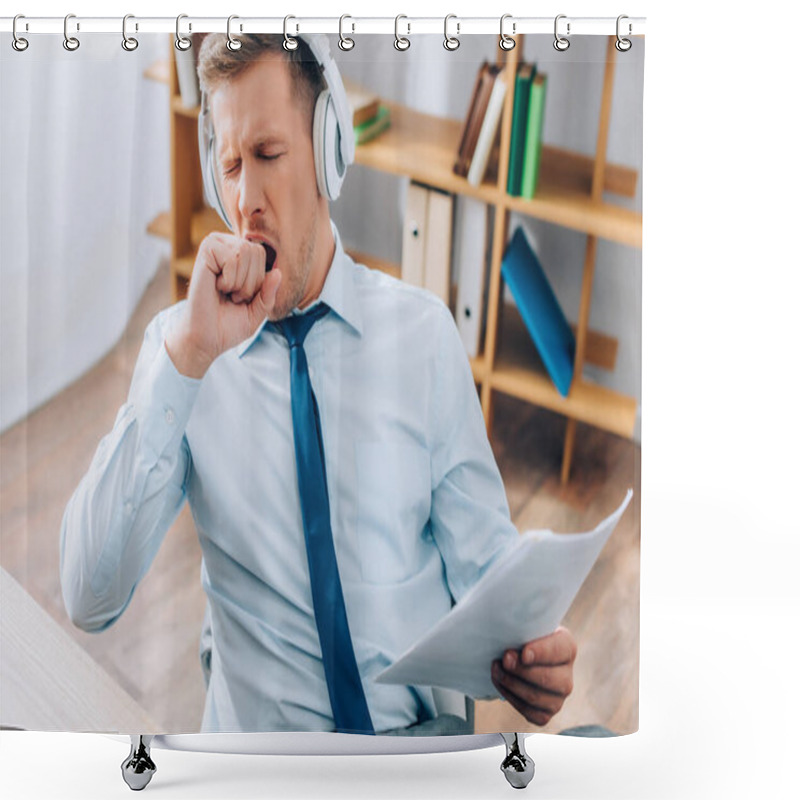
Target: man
{"points": [[405, 482]]}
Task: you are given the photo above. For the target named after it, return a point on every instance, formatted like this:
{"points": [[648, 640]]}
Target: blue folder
{"points": [[540, 310]]}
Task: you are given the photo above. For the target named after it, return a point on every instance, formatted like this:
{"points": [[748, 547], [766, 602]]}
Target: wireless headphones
{"points": [[332, 133]]}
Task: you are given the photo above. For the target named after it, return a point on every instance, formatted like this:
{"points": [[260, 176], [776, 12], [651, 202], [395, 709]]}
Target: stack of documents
{"points": [[524, 596]]}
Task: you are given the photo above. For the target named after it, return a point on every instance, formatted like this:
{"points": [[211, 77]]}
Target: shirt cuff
{"points": [[163, 405]]}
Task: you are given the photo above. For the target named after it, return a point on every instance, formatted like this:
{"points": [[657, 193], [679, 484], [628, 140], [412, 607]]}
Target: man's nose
{"points": [[251, 194]]}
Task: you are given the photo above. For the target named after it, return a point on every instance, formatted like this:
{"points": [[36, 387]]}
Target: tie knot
{"points": [[295, 327]]}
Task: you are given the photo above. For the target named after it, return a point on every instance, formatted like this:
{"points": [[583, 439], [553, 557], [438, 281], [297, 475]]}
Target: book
{"points": [[474, 119], [519, 126], [486, 137], [458, 167], [533, 137], [363, 103], [470, 245], [523, 596], [369, 129], [540, 310]]}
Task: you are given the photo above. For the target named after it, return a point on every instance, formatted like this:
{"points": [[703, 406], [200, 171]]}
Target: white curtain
{"points": [[84, 166]]}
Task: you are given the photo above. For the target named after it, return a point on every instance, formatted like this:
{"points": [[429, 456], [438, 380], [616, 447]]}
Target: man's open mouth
{"points": [[271, 255]]}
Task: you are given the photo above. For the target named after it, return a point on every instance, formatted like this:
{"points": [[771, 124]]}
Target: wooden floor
{"points": [[43, 458]]}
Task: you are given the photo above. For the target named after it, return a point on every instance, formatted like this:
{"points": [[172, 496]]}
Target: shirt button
{"points": [[128, 507], [169, 416]]}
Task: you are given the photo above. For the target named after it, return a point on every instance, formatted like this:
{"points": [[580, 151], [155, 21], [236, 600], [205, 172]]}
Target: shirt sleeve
{"points": [[133, 490], [470, 519]]}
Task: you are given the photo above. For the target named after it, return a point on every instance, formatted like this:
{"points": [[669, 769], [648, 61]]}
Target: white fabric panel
{"points": [[84, 166]]}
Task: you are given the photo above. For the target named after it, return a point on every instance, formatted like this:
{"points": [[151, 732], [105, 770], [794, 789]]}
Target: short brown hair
{"points": [[217, 64]]}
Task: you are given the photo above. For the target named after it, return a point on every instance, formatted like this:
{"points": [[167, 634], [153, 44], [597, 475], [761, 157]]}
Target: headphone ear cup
{"points": [[328, 161], [208, 165]]}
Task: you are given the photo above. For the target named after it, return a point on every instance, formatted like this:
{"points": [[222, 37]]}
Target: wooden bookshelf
{"points": [[571, 192]]}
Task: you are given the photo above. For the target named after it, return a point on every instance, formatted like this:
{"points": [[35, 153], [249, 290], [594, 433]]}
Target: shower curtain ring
{"points": [[233, 44], [623, 45], [18, 43], [128, 42], [345, 42], [182, 43], [506, 42], [561, 43], [451, 42], [289, 42], [400, 42], [71, 43]]}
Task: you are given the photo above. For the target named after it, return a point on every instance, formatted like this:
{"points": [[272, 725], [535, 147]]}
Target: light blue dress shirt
{"points": [[418, 508]]}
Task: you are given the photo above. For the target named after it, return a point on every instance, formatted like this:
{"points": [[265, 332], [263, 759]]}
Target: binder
{"points": [[469, 261], [439, 231], [412, 267]]}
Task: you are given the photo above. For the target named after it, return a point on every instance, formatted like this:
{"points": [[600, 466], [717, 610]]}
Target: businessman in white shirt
{"points": [[405, 483]]}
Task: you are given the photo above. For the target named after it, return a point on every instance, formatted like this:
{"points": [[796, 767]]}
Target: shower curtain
{"points": [[157, 571]]}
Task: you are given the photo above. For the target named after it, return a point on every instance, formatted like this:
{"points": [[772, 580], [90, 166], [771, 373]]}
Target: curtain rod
{"points": [[350, 25]]}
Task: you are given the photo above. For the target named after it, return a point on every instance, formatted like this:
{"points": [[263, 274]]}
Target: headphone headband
{"points": [[321, 50]]}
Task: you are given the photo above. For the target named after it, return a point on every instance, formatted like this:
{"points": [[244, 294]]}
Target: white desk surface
{"points": [[48, 682]]}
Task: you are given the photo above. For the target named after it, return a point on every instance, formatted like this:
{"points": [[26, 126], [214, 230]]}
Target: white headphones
{"points": [[332, 132]]}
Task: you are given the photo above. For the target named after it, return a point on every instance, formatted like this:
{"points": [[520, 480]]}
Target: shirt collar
{"points": [[338, 293]]}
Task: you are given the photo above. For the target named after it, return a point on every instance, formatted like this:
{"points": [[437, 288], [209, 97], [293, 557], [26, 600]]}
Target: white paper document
{"points": [[524, 596]]}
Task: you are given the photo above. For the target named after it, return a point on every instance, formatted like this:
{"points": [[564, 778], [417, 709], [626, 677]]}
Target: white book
{"points": [[488, 130], [470, 233]]}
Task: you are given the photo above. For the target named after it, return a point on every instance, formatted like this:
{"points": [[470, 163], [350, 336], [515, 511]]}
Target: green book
{"points": [[533, 138], [372, 127], [519, 123]]}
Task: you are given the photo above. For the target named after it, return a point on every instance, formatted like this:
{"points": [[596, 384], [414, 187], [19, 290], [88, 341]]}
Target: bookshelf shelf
{"points": [[518, 371], [158, 71], [571, 193], [161, 225], [179, 108], [422, 147]]}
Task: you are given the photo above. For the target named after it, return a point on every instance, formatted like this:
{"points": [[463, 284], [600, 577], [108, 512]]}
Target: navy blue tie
{"points": [[349, 706]]}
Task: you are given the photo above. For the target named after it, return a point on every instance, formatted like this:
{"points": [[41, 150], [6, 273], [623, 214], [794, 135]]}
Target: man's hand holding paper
{"points": [[503, 638], [537, 678]]}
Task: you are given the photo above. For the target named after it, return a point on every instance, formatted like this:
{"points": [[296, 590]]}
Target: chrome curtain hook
{"points": [[400, 42], [451, 42], [18, 43], [506, 42], [561, 43], [128, 42], [71, 43], [233, 44], [289, 43], [181, 42], [345, 42], [623, 45]]}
